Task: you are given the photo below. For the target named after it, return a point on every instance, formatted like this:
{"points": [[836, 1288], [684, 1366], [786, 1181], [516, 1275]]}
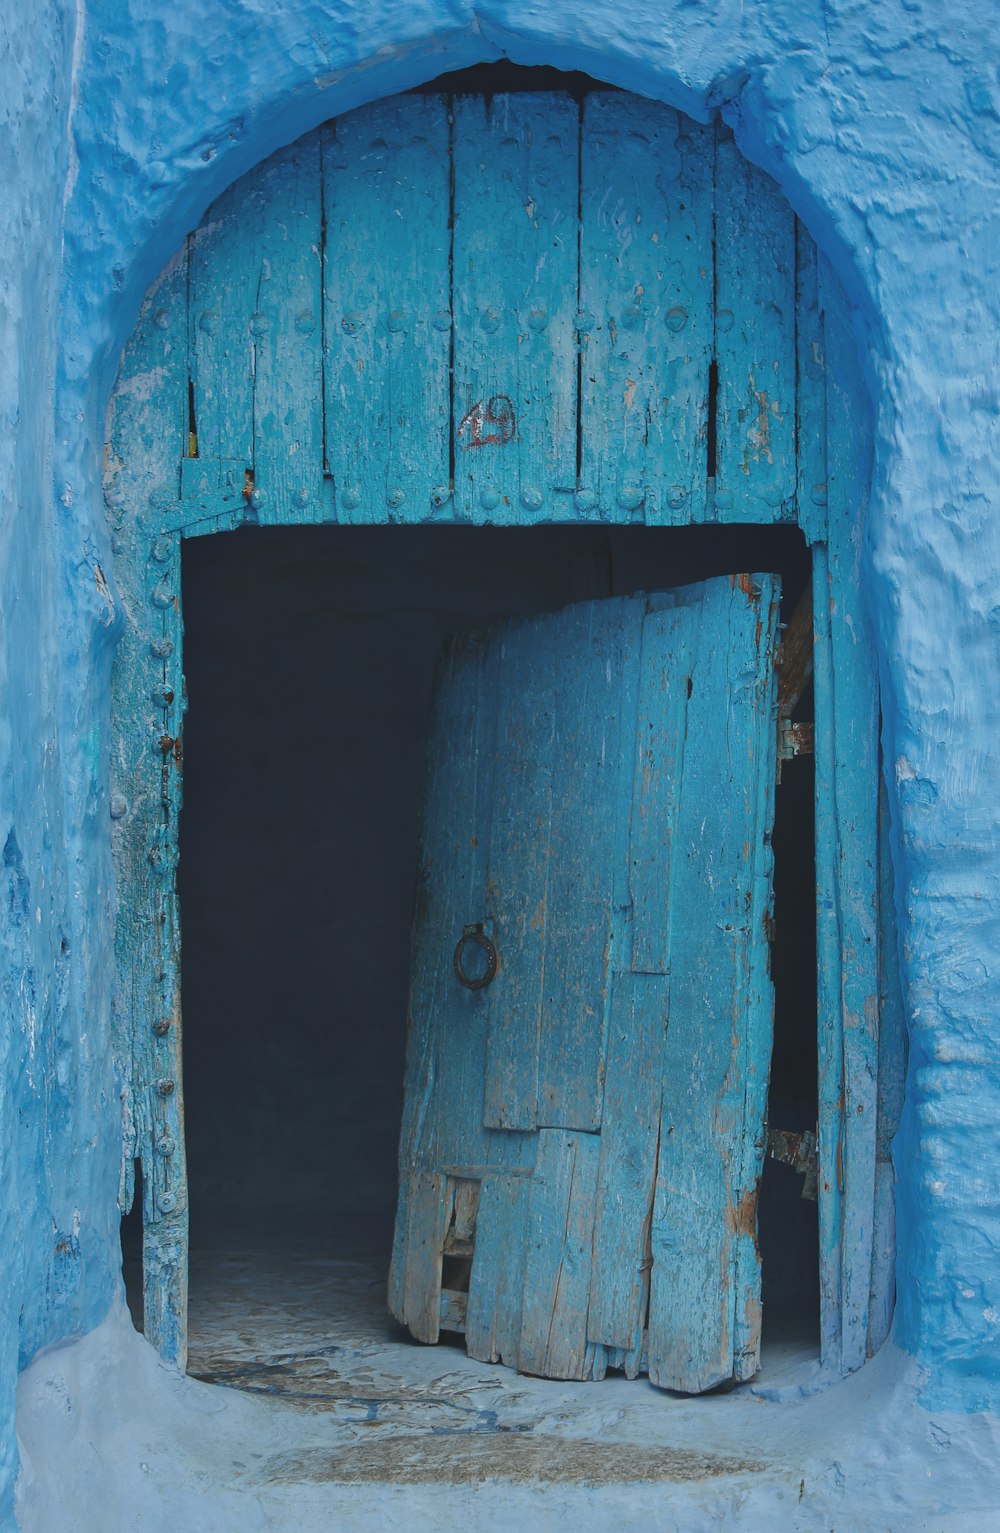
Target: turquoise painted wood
{"points": [[387, 305], [443, 308], [514, 415], [848, 936], [716, 1054], [631, 1055], [147, 440], [645, 320], [755, 478]]}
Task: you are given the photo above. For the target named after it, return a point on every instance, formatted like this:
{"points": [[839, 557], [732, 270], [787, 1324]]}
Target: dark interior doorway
{"points": [[310, 655]]}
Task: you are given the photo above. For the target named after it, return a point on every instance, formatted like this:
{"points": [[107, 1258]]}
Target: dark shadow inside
{"points": [[309, 656]]}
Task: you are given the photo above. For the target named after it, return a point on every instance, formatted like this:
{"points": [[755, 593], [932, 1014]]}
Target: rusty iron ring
{"points": [[475, 933]]}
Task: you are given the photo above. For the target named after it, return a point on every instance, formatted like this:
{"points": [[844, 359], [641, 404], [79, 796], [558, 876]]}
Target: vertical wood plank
{"points": [[704, 1318], [853, 710], [222, 300], [586, 648], [496, 1287], [515, 288], [287, 337], [629, 1134], [446, 1041], [148, 436], [755, 478], [422, 1282], [810, 390], [891, 1085], [646, 309], [386, 176], [558, 1266], [829, 1041], [660, 738], [518, 877]]}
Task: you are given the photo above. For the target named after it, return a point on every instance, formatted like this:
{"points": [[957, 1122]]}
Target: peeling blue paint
{"points": [[882, 125]]}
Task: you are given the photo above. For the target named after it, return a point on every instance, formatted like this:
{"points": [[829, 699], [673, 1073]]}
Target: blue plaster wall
{"points": [[124, 118]]}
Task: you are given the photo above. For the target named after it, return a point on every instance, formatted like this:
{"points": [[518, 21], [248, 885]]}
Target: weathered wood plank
{"points": [[453, 1307], [288, 338], [619, 1281], [659, 766], [148, 436], [515, 283], [222, 299], [829, 1044], [755, 475], [645, 323], [849, 997], [493, 1317], [557, 1269], [586, 650], [428, 1212], [892, 1054], [386, 174], [810, 389], [704, 1314], [448, 1023], [518, 875]]}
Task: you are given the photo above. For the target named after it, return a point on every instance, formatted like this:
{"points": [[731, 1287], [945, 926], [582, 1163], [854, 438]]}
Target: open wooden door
{"points": [[591, 1012]]}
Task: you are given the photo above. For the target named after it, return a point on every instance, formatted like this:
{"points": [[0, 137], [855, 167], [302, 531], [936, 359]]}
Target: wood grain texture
{"points": [[619, 1285], [448, 1024], [386, 197], [704, 1318], [585, 651], [892, 1060], [496, 1287], [288, 338], [660, 734], [428, 1212], [847, 873], [558, 1265], [148, 429], [222, 300], [645, 322], [755, 479], [810, 390], [515, 282], [518, 876]]}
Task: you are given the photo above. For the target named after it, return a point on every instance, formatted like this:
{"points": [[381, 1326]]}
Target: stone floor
{"points": [[306, 1408], [298, 1318]]}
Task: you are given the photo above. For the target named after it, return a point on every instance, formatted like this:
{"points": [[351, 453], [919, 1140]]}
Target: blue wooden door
{"points": [[591, 1012]]}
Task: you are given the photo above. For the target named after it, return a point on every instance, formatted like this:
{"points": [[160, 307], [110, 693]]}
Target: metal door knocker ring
{"points": [[476, 935]]}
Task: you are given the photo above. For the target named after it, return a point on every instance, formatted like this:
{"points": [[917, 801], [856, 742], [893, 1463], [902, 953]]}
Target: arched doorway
{"points": [[532, 309]]}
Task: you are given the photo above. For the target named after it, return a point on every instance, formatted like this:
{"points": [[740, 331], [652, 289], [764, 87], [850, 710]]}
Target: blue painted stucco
{"points": [[122, 119]]}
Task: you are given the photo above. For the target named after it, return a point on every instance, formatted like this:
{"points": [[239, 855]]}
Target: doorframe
{"points": [[859, 1070]]}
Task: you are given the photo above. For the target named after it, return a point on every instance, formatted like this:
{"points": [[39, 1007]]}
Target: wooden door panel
{"points": [[646, 272], [630, 1130], [515, 169], [496, 1285], [590, 646], [704, 1318], [555, 1302], [599, 803], [755, 478], [660, 738], [386, 176]]}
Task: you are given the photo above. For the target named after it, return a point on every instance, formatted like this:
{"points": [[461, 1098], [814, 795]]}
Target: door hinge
{"points": [[794, 739]]}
